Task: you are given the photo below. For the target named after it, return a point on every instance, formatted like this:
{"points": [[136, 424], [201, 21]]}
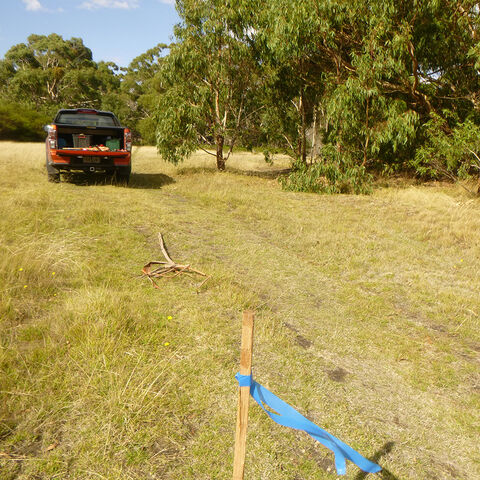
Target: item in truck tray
{"points": [[113, 143], [81, 140], [97, 148]]}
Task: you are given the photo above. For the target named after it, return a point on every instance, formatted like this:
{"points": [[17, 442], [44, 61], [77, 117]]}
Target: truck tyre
{"points": [[53, 177], [52, 174], [122, 175]]}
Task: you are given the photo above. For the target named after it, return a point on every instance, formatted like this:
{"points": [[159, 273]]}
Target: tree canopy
{"points": [[209, 79], [352, 85], [50, 70]]}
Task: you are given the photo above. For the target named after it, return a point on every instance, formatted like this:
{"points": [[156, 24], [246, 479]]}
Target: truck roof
{"points": [[69, 114]]}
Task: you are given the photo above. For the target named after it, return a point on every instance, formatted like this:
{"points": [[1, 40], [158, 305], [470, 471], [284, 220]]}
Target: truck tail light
{"points": [[128, 140], [52, 136]]}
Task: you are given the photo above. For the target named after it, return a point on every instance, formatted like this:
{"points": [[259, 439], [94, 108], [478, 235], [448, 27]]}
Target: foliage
{"points": [[332, 175], [369, 79], [448, 152], [48, 70], [285, 37], [48, 73], [209, 78], [22, 123], [137, 99]]}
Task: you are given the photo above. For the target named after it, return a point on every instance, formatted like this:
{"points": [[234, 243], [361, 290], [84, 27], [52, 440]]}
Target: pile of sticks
{"points": [[168, 268]]}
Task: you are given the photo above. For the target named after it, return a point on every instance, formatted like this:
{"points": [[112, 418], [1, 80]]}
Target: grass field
{"points": [[367, 313]]}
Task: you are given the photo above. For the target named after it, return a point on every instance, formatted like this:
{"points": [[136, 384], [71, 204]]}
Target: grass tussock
{"points": [[367, 322]]}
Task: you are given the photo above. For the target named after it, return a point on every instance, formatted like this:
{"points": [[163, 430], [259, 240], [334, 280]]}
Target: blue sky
{"points": [[115, 30]]}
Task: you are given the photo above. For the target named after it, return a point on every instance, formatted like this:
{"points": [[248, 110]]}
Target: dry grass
{"points": [[367, 321]]}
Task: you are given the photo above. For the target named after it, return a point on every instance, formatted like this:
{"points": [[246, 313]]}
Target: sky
{"points": [[115, 30]]}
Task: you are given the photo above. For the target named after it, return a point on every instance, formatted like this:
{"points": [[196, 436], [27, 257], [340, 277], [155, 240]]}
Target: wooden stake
{"points": [[243, 396]]}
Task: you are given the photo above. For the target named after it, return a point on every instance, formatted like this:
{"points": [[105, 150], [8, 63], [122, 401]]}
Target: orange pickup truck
{"points": [[90, 141]]}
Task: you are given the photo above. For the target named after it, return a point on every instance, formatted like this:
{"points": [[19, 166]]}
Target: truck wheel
{"points": [[122, 176], [52, 174], [53, 177]]}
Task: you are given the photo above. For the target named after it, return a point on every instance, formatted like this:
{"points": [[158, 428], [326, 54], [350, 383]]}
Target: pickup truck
{"points": [[90, 141]]}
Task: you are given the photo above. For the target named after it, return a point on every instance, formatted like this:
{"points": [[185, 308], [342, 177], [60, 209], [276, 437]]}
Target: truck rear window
{"points": [[87, 119]]}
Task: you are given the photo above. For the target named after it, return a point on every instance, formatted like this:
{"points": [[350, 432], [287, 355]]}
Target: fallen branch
{"points": [[168, 268]]}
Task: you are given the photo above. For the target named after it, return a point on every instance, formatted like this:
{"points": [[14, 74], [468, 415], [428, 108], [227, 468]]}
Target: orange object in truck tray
{"points": [[96, 148], [84, 151]]}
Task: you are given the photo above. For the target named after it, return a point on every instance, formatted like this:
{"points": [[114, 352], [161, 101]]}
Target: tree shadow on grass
{"points": [[384, 474], [270, 174], [196, 170]]}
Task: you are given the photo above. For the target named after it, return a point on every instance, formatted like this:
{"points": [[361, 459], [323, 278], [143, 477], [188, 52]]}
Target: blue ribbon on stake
{"points": [[289, 417]]}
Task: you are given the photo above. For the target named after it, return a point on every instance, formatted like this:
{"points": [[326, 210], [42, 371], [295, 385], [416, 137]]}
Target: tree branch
{"points": [[206, 151], [168, 268]]}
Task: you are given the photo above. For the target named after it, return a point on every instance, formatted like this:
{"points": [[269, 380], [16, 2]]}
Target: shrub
{"points": [[22, 123], [452, 152], [332, 174]]}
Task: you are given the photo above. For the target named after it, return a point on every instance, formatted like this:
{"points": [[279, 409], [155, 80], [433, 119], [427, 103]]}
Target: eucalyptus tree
{"points": [[141, 87], [375, 71], [209, 79], [51, 71], [292, 82], [333, 56]]}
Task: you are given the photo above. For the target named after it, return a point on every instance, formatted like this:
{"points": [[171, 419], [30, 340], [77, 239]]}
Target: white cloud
{"points": [[168, 2], [122, 4], [33, 5]]}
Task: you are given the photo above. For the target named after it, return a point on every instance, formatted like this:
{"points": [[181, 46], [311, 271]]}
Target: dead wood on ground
{"points": [[168, 268]]}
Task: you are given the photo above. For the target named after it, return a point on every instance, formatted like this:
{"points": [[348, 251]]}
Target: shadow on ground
{"points": [[85, 179], [137, 180], [384, 474], [196, 170], [271, 174], [149, 180]]}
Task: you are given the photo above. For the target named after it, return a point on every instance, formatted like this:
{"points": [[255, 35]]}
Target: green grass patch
{"points": [[367, 322]]}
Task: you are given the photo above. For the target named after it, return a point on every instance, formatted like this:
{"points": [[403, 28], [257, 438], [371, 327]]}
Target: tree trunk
{"points": [[302, 150], [367, 140], [220, 160], [313, 152]]}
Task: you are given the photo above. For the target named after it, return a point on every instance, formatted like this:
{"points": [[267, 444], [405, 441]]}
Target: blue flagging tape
{"points": [[289, 417]]}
